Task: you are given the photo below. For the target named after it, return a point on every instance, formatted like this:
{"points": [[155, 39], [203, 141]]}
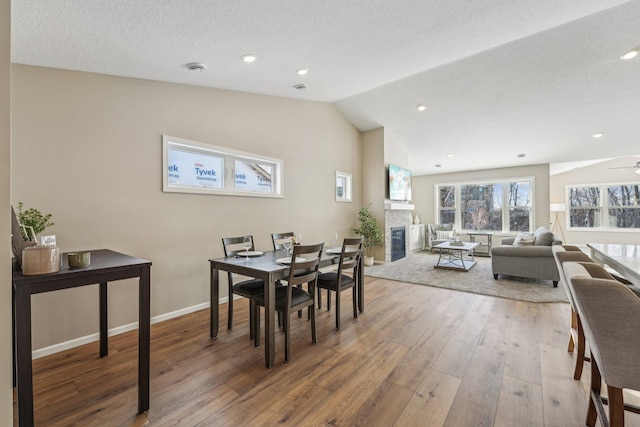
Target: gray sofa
{"points": [[534, 261]]}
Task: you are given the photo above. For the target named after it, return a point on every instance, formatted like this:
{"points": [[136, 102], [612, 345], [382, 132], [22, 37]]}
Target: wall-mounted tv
{"points": [[399, 183]]}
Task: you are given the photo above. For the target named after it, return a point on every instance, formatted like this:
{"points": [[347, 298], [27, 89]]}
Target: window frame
{"points": [[506, 208], [346, 179], [604, 208], [229, 157]]}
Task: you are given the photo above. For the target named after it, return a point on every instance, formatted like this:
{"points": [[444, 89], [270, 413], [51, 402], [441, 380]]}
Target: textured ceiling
{"points": [[499, 78]]}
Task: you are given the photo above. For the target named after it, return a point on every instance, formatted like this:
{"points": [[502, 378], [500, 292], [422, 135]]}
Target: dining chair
{"points": [[278, 244], [337, 281], [305, 262], [277, 239], [247, 288]]}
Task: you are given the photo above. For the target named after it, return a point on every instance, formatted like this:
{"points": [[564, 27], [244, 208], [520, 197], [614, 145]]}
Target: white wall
{"points": [[600, 173], [6, 379], [87, 149], [424, 189]]}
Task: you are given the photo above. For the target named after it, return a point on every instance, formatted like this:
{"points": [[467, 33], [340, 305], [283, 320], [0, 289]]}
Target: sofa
{"points": [[527, 255], [439, 233]]}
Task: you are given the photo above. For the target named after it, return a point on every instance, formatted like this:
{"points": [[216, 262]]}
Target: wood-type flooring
{"points": [[418, 356]]}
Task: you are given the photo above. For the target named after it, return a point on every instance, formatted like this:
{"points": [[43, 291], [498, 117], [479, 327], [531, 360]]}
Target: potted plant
{"points": [[370, 230], [33, 218]]}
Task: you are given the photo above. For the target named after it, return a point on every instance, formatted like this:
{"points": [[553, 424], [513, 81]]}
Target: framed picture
{"points": [[343, 187]]}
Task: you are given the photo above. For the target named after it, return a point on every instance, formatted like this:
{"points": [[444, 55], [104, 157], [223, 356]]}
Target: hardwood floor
{"points": [[418, 356]]}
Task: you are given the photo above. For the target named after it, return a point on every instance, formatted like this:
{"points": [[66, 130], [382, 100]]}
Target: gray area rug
{"points": [[418, 268]]}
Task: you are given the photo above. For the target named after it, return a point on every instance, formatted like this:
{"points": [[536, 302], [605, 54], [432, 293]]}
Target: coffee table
{"points": [[456, 257]]}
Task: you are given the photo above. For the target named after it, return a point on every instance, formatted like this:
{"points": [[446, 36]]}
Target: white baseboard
{"points": [[77, 342]]}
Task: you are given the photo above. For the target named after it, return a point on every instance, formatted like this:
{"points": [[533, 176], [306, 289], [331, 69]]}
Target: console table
{"points": [[106, 266], [489, 236]]}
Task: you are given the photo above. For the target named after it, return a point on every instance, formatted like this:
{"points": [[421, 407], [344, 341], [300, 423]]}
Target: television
{"points": [[399, 183]]}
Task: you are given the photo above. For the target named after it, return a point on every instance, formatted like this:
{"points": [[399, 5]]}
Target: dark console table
{"points": [[106, 266]]}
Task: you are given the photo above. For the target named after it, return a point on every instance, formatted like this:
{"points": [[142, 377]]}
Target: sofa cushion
{"points": [[543, 237], [524, 239]]}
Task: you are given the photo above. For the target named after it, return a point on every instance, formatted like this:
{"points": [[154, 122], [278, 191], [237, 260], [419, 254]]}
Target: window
{"points": [[619, 210], [481, 206], [193, 167], [343, 187], [447, 204]]}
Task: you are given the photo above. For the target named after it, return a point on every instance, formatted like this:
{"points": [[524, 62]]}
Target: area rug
{"points": [[418, 268]]}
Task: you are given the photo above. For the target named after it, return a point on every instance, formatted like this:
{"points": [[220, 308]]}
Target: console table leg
{"points": [[104, 324]]}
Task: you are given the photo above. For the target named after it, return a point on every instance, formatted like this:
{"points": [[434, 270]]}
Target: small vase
{"points": [[416, 219]]}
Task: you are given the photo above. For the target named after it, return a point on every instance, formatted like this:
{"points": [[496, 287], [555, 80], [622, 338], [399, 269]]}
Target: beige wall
{"points": [[424, 190], [374, 178], [600, 173], [6, 393], [87, 149]]}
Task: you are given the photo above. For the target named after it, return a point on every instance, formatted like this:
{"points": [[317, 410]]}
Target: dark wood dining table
{"points": [[266, 268], [105, 266]]}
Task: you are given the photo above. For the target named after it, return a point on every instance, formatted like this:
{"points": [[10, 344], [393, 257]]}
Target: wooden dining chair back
{"points": [[246, 288], [305, 262], [338, 281], [278, 238]]}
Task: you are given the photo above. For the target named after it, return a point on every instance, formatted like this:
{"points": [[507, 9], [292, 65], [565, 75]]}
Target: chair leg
{"points": [[596, 384], [577, 373], [574, 326], [355, 304], [312, 309], [319, 298], [230, 306], [299, 311], [256, 326], [252, 326], [287, 331], [616, 407], [328, 300], [338, 309]]}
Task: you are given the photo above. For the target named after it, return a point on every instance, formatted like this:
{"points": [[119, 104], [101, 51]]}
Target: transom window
{"points": [[193, 167], [604, 207], [503, 206]]}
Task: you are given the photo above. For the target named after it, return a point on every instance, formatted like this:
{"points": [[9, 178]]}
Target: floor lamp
{"points": [[557, 208]]}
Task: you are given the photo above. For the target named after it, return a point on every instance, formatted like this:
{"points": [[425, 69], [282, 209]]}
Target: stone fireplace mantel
{"points": [[392, 206]]}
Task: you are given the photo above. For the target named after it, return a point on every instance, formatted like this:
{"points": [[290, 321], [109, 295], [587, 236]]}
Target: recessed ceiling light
{"points": [[438, 165], [195, 67], [302, 71], [248, 58], [300, 86], [520, 156], [598, 135], [630, 55], [449, 154], [421, 107]]}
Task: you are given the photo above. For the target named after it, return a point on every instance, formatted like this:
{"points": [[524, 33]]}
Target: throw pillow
{"points": [[444, 235], [544, 238], [524, 239]]}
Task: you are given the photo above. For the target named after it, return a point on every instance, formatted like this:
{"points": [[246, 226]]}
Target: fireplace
{"points": [[398, 247]]}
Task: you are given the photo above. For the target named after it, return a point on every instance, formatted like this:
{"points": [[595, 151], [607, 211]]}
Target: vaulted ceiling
{"points": [[503, 82]]}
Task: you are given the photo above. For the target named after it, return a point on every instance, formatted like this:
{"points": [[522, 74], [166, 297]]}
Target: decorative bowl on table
{"points": [[79, 259]]}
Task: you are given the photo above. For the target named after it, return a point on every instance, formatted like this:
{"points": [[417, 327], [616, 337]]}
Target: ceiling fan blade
{"points": [[626, 167]]}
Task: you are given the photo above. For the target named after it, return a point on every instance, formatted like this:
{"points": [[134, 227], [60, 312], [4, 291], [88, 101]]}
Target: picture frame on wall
{"points": [[343, 187]]}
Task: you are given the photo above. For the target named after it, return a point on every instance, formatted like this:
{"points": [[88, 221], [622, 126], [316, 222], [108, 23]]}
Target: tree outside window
{"points": [[504, 206], [447, 204], [584, 207], [624, 206]]}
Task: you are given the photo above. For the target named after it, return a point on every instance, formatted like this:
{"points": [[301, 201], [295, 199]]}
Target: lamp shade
{"points": [[557, 207]]}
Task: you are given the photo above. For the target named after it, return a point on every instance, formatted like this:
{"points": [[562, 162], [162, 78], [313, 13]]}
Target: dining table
{"points": [[265, 266]]}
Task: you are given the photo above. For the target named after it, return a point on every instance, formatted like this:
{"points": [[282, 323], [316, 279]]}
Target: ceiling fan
{"points": [[636, 167]]}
